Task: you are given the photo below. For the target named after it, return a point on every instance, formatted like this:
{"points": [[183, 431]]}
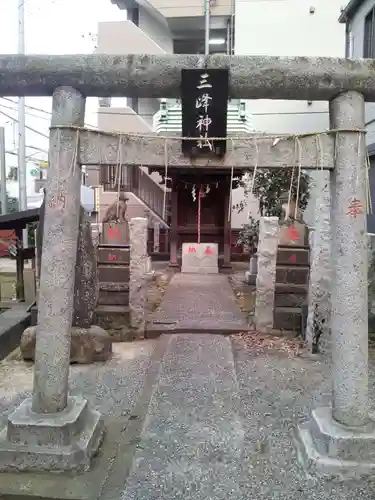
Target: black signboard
{"points": [[204, 98]]}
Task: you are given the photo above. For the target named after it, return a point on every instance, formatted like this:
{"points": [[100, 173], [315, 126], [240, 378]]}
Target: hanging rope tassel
{"points": [[165, 177], [231, 187], [254, 172], [299, 178], [200, 194], [118, 174], [368, 186], [287, 215]]}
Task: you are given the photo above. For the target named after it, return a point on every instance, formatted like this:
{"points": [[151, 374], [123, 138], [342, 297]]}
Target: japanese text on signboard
{"points": [[204, 98], [202, 104]]}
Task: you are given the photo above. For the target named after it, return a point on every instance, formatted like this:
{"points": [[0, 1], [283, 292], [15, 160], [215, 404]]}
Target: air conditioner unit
{"points": [[104, 102]]}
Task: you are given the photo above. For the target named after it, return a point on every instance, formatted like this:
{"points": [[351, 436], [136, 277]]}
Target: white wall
{"points": [[286, 28], [156, 29]]}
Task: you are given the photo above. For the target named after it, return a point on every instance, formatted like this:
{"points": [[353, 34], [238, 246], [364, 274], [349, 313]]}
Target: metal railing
{"points": [[137, 181]]}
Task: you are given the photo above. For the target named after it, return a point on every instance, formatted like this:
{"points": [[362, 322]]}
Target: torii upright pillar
{"points": [[52, 430], [340, 439]]}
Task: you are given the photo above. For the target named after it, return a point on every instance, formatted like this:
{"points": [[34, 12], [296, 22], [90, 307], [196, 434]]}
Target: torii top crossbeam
{"points": [[251, 77]]}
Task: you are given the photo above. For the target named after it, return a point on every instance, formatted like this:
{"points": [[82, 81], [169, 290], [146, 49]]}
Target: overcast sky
{"points": [[51, 27]]}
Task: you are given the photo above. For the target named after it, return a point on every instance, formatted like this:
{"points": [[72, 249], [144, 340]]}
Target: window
{"points": [[369, 35]]}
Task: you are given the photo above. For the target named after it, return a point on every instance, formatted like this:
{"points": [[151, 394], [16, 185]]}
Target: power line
{"points": [[41, 111], [27, 106], [29, 158], [29, 128], [27, 112]]}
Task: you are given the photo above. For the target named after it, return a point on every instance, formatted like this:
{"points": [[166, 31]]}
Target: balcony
{"points": [[117, 36], [179, 8], [168, 120]]}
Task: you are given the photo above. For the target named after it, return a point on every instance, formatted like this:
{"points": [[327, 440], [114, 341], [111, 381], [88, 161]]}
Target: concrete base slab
{"points": [[330, 449], [84, 485], [55, 442]]}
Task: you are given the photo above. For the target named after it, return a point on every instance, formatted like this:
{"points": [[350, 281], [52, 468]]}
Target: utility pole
{"points": [[207, 8], [21, 122], [3, 173]]}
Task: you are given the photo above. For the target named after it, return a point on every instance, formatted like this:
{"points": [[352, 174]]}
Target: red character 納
{"points": [[293, 234]]}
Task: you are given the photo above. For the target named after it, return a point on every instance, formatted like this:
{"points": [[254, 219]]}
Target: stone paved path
{"points": [[192, 440], [194, 303], [220, 426]]}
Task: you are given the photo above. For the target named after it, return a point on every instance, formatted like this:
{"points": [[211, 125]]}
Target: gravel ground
{"points": [[277, 391], [111, 387], [274, 389]]}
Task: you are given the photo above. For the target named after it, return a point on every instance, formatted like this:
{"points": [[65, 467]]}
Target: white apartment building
{"points": [[244, 27], [359, 20]]}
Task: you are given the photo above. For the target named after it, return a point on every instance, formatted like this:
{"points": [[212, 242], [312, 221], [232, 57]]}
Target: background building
{"points": [[162, 27], [359, 20], [243, 27]]}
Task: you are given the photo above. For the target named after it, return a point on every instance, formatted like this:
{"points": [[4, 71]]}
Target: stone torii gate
{"points": [[53, 430]]}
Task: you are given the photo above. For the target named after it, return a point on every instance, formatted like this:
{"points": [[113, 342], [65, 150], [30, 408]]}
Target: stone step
{"points": [[290, 288], [113, 273], [113, 298], [112, 309], [290, 300], [114, 319], [113, 255], [109, 286], [293, 256], [288, 318], [293, 275]]}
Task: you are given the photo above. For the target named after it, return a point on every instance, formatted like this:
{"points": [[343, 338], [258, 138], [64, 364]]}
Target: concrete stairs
{"points": [[292, 281]]}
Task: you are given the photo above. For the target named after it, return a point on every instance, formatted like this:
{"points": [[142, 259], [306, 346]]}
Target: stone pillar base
{"points": [[55, 442], [251, 274], [331, 449]]}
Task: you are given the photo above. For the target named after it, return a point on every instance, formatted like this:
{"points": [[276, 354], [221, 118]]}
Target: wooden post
{"points": [[20, 289]]}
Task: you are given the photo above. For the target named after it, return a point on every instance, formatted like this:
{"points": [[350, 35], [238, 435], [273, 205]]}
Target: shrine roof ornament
{"points": [[159, 76]]}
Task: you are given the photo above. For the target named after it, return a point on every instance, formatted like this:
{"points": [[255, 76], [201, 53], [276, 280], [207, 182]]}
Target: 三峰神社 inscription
{"points": [[204, 100]]}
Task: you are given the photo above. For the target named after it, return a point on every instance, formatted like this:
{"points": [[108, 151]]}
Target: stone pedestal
{"points": [[251, 274], [52, 431], [63, 441], [341, 440], [138, 267], [115, 233], [266, 277], [201, 258], [331, 449], [293, 234]]}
